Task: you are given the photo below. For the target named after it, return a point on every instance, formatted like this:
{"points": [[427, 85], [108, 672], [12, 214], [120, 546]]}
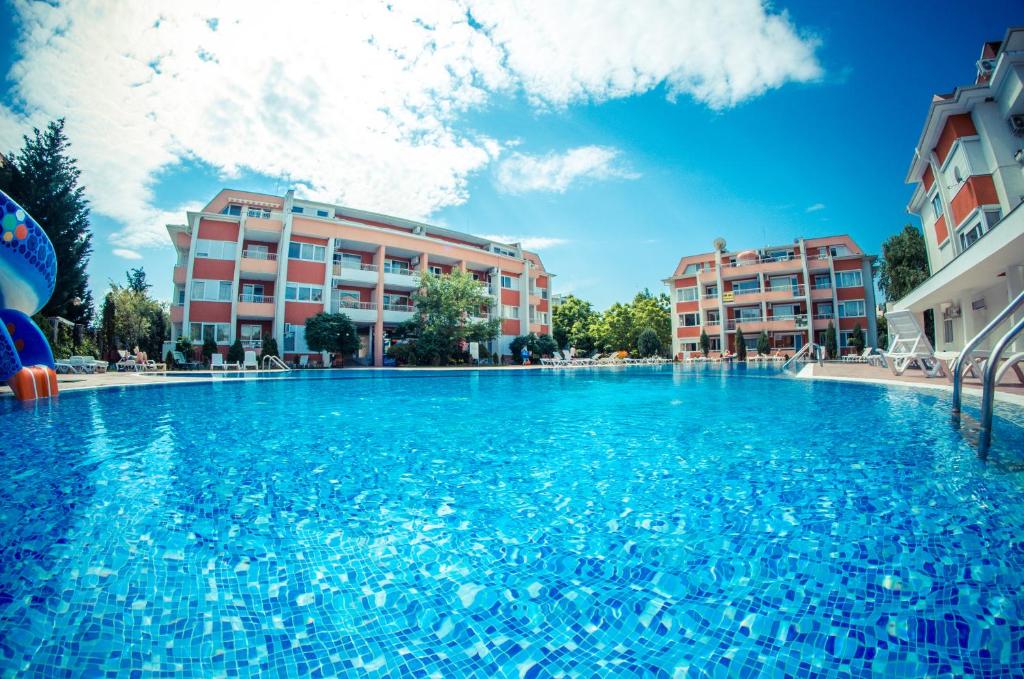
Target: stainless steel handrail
{"points": [[804, 349], [958, 363], [988, 387]]}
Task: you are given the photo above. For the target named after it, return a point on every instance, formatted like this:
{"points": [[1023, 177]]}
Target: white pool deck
{"points": [[839, 372]]}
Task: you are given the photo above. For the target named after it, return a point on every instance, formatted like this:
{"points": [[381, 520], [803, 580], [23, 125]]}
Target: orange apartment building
{"points": [[252, 266], [791, 292]]}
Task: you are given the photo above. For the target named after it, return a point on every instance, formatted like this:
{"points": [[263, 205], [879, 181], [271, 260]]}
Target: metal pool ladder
{"points": [[989, 373], [810, 348]]}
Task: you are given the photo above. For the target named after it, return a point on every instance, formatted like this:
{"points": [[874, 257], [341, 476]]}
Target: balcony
{"points": [[258, 264], [401, 278], [365, 275], [818, 262], [779, 293], [821, 292], [821, 321], [398, 313], [762, 264], [179, 275], [771, 324], [359, 312], [255, 307], [267, 226], [740, 295]]}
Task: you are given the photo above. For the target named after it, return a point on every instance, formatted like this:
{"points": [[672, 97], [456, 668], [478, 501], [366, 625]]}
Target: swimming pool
{"points": [[649, 520]]}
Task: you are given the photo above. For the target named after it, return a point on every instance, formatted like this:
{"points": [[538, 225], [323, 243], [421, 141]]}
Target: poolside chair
{"points": [[179, 359], [909, 347], [303, 361], [217, 361], [82, 364], [127, 362], [858, 358], [1014, 364], [250, 361], [63, 367]]}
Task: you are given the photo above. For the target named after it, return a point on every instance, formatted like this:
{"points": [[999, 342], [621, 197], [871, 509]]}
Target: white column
{"points": [[282, 272], [524, 299], [194, 233], [235, 289], [329, 274], [947, 204]]}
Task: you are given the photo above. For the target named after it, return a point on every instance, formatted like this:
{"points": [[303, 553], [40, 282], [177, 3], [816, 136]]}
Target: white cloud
{"points": [[555, 172], [354, 102], [720, 53], [815, 208], [124, 253], [532, 243]]}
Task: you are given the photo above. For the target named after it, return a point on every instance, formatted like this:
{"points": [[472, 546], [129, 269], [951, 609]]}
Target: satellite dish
{"points": [[719, 244]]}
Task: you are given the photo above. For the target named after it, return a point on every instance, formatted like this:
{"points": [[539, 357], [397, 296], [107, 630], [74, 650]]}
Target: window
{"points": [[298, 292], [321, 213], [777, 256], [509, 311], [838, 250], [211, 291], [396, 299], [395, 266], [542, 317], [714, 343], [215, 249], [232, 210], [258, 213], [686, 294], [307, 251], [250, 333], [688, 347], [849, 279], [971, 236], [436, 270], [295, 338], [692, 269], [218, 332], [992, 218], [689, 320], [947, 330], [853, 308], [749, 285], [297, 210], [783, 283], [503, 251], [256, 251], [784, 311], [179, 296], [348, 260], [713, 317], [844, 339], [821, 280], [252, 292], [824, 311], [748, 313], [711, 291], [509, 282]]}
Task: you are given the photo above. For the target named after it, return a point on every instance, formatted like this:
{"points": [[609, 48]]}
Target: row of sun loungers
{"points": [[600, 360], [78, 365]]}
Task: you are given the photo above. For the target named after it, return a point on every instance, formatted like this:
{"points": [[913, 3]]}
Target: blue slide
{"points": [[28, 272]]}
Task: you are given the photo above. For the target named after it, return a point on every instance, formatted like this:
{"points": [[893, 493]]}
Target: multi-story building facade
{"points": [[968, 168], [791, 292], [252, 266]]}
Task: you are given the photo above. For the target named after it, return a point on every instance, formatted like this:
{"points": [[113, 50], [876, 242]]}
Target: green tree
{"points": [[333, 333], [883, 332], [764, 345], [270, 347], [741, 345], [43, 178], [236, 354], [443, 322], [545, 345], [650, 311], [572, 322], [705, 342], [614, 330], [831, 345], [137, 280], [857, 339], [517, 344], [133, 319], [648, 343], [904, 263], [184, 345], [108, 331]]}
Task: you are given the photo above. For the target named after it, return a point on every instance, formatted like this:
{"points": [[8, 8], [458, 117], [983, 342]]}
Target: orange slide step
{"points": [[32, 382]]}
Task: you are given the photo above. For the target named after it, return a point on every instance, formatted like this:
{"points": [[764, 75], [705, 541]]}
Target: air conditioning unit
{"points": [[985, 66], [951, 312], [493, 271], [415, 261], [1017, 125]]}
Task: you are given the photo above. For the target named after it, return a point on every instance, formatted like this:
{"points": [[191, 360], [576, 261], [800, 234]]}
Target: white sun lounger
{"points": [[909, 346]]}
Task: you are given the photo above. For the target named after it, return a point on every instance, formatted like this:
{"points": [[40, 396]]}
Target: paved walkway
{"points": [[862, 372]]}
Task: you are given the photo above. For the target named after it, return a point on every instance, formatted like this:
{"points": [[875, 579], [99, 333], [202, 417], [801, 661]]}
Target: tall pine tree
{"points": [[43, 178]]}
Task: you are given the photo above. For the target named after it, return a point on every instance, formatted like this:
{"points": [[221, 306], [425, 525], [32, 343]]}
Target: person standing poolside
{"points": [[525, 354]]}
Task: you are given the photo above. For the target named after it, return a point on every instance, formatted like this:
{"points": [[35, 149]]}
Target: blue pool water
{"points": [[645, 521]]}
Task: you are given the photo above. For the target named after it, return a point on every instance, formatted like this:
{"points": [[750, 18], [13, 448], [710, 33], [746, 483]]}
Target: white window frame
{"points": [[207, 248], [685, 319], [201, 290], [688, 294], [510, 311], [509, 282], [294, 292], [841, 313], [840, 279], [692, 268], [221, 332], [307, 252], [978, 228]]}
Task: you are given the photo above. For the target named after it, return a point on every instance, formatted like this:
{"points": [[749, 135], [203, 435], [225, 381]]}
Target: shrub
{"points": [[270, 347], [831, 348], [236, 354], [169, 360], [705, 342], [764, 346], [648, 344], [857, 339], [741, 345], [209, 349]]}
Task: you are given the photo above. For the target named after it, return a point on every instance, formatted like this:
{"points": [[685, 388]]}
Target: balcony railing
{"points": [[797, 290], [733, 322], [826, 286], [353, 304], [740, 292], [760, 260], [256, 299], [259, 254], [252, 343], [393, 269], [824, 317], [408, 308], [261, 214]]}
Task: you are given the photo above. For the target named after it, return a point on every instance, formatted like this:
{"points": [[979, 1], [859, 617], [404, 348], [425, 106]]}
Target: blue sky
{"points": [[657, 176]]}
